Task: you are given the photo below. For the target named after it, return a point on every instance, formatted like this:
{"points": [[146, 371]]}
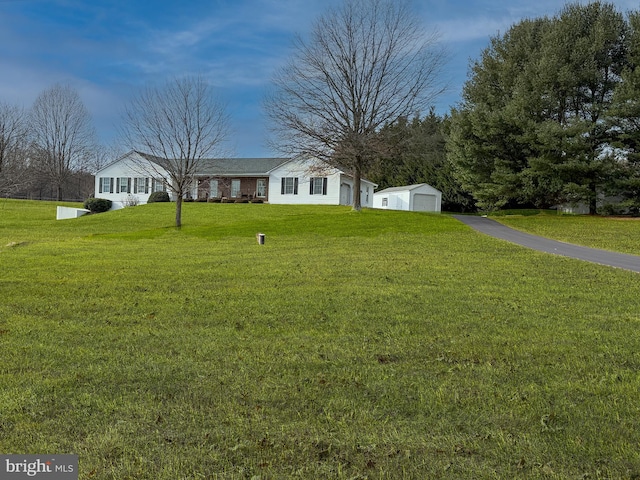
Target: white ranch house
{"points": [[415, 198], [134, 176]]}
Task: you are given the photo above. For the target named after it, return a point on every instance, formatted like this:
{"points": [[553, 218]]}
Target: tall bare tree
{"points": [[13, 136], [365, 64], [180, 123], [62, 133]]}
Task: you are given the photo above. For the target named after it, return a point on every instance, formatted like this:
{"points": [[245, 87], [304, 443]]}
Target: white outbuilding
{"points": [[414, 198]]}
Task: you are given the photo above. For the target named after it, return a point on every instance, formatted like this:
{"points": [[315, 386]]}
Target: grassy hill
{"points": [[351, 345]]}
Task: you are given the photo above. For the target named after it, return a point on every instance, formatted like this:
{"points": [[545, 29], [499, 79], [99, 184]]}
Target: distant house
{"points": [[133, 177], [415, 198]]}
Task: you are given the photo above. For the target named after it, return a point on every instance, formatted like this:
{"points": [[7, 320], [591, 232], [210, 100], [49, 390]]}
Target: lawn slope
{"points": [[351, 345]]}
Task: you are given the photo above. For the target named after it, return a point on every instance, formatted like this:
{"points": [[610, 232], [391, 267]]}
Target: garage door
{"points": [[424, 203]]}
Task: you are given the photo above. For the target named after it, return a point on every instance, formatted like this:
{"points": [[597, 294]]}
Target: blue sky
{"points": [[107, 50]]}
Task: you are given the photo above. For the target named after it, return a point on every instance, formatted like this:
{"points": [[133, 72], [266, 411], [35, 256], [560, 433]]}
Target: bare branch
{"points": [[365, 64], [61, 130], [180, 123]]}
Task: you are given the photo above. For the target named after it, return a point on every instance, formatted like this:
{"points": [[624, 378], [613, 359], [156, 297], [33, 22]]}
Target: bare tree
{"points": [[102, 154], [62, 133], [180, 123], [13, 136], [365, 64]]}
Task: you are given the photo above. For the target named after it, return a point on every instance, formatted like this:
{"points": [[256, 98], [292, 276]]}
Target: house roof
{"points": [[229, 166], [239, 166], [406, 188]]}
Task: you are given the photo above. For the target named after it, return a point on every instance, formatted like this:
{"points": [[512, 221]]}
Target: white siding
{"points": [[429, 199], [131, 167], [304, 171]]}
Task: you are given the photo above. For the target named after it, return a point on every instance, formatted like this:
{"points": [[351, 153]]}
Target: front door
{"points": [[235, 188]]}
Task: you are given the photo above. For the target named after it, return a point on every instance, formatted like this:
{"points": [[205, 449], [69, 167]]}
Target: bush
{"points": [[97, 205], [131, 201], [241, 200], [156, 197], [257, 200], [214, 200]]}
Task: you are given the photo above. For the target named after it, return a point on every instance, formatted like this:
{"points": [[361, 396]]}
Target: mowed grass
{"points": [[351, 345], [621, 234]]}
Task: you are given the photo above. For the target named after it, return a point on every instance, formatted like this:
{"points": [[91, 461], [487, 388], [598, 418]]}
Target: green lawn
{"points": [[376, 344]]}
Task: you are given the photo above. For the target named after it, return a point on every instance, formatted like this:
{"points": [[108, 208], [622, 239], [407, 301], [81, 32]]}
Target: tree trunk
{"points": [[593, 202], [357, 201], [179, 210], [59, 192]]}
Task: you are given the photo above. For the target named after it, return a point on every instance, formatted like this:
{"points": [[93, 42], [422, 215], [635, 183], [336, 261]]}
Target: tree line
{"points": [[50, 150], [551, 113]]}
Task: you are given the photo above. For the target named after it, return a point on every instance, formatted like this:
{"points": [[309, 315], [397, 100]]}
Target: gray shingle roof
{"points": [[230, 166], [401, 189], [239, 166]]}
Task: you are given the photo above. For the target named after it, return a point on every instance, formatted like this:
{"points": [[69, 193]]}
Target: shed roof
{"points": [[406, 188]]}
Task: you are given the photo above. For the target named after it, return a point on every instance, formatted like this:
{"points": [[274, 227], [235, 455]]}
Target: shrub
{"points": [[214, 200], [97, 205], [158, 197], [201, 199], [242, 200], [131, 201], [257, 200]]}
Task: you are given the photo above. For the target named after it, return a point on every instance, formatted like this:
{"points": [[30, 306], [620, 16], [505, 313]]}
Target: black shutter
{"points": [[118, 185], [111, 185], [100, 185], [146, 185], [295, 186], [324, 186], [135, 185], [282, 187], [129, 185]]}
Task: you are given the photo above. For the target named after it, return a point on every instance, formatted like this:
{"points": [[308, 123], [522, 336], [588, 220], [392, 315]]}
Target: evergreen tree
{"points": [[532, 127], [625, 123]]}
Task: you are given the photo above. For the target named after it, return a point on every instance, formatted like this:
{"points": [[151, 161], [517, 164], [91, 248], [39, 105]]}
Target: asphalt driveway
{"points": [[593, 255]]}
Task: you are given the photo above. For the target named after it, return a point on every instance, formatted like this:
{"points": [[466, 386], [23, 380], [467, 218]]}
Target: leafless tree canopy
{"points": [[181, 123], [62, 132], [13, 140], [365, 64]]}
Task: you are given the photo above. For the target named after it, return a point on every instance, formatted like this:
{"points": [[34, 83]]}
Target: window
{"points": [[385, 202], [289, 186], [141, 185], [261, 187], [106, 185], [124, 185], [235, 188], [318, 186], [213, 188], [157, 185]]}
